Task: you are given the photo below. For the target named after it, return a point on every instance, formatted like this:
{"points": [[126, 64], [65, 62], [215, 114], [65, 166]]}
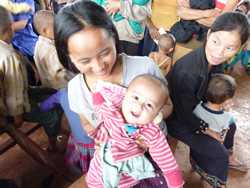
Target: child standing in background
{"points": [[129, 18], [164, 56], [15, 8], [220, 91], [14, 99], [124, 116], [80, 147], [51, 71], [24, 38]]}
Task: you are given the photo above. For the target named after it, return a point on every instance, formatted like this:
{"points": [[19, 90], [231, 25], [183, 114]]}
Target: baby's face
{"points": [[142, 102], [50, 31]]}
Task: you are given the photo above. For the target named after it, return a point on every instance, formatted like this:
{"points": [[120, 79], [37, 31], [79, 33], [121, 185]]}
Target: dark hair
{"points": [[5, 21], [74, 18], [220, 88], [231, 21]]}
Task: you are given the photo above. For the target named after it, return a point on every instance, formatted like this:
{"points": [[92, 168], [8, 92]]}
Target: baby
{"points": [[51, 71], [163, 57], [125, 116], [220, 92]]}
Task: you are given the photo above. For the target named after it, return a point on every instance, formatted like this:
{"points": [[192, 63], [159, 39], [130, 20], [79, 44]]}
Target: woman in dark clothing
{"points": [[188, 83]]}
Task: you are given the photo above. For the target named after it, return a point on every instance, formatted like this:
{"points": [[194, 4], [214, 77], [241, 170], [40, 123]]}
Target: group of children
{"points": [[124, 115]]}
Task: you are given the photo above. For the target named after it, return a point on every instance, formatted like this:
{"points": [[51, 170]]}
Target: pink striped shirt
{"points": [[107, 104]]}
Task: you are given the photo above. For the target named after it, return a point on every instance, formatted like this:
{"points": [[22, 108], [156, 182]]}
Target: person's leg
{"points": [[147, 44], [229, 139], [72, 157], [228, 143], [210, 156], [50, 120]]}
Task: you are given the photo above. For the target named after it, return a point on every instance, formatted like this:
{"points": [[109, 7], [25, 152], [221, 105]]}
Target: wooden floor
{"points": [[16, 164]]}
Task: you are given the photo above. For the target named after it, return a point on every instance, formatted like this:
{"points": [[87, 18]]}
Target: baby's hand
{"points": [[141, 142]]}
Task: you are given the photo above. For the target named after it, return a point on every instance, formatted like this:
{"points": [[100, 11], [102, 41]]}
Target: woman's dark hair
{"points": [[231, 21], [220, 88], [74, 18]]}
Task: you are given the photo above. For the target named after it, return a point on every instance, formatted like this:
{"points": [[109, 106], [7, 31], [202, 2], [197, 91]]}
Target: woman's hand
{"points": [[113, 6], [214, 135], [154, 33], [85, 124]]}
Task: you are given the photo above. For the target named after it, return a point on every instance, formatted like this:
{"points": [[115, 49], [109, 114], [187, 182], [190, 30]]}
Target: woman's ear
{"points": [[170, 50], [158, 118]]}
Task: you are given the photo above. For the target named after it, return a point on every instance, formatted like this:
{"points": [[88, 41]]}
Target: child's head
{"points": [[166, 43], [144, 99], [6, 31], [44, 23], [221, 88]]}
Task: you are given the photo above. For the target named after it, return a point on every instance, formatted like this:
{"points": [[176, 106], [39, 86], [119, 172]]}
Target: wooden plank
{"points": [[7, 142]]}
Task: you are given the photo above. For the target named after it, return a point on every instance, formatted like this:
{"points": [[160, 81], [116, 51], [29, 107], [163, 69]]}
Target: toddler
{"points": [[51, 71], [220, 92], [163, 57], [13, 75], [125, 116], [80, 147]]}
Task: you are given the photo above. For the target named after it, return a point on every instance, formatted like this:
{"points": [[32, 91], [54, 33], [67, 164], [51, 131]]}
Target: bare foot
{"points": [[235, 164]]}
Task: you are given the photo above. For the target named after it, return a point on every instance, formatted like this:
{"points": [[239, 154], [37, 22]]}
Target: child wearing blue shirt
{"points": [[80, 148], [25, 38]]}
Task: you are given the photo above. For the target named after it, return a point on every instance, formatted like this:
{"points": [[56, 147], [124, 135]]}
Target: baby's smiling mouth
{"points": [[135, 114]]}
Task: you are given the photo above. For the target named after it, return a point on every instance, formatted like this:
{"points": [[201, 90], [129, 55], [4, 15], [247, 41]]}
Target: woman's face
{"points": [[221, 46], [93, 52]]}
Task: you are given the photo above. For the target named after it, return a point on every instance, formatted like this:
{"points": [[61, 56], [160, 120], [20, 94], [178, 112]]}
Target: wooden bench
{"points": [[20, 136]]}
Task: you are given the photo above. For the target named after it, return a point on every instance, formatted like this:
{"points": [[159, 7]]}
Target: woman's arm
{"points": [[231, 4], [86, 125], [195, 14], [153, 30], [185, 12], [214, 135], [18, 25], [183, 92]]}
